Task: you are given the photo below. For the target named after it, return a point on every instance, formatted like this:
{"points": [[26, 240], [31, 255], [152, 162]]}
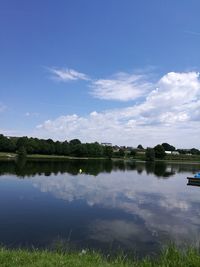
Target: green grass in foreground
{"points": [[170, 257]]}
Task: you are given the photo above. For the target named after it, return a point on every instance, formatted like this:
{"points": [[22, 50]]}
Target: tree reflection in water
{"points": [[23, 167]]}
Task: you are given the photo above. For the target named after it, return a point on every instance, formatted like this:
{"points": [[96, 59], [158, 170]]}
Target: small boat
{"points": [[194, 180]]}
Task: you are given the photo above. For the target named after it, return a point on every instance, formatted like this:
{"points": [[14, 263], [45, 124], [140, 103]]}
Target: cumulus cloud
{"points": [[96, 124], [121, 87], [169, 112], [68, 75]]}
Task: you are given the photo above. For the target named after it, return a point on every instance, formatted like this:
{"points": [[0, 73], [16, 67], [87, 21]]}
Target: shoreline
{"points": [[4, 156]]}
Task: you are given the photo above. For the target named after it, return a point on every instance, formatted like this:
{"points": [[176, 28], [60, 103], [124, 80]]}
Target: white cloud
{"points": [[170, 112], [68, 75], [94, 124], [121, 87], [7, 132], [31, 114]]}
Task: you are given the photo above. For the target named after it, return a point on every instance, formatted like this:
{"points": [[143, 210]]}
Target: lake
{"points": [[110, 206]]}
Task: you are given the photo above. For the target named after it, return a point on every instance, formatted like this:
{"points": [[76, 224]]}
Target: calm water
{"points": [[111, 205]]}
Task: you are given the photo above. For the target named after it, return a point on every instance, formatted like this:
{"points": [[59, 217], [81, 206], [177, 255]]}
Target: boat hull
{"points": [[193, 181]]}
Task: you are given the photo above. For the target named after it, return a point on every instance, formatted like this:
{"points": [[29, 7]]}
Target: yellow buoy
{"points": [[80, 171]]}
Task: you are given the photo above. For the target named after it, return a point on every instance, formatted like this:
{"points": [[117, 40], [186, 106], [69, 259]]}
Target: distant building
{"points": [[175, 153], [186, 150], [130, 148], [172, 152], [168, 152], [116, 148], [106, 144], [12, 137]]}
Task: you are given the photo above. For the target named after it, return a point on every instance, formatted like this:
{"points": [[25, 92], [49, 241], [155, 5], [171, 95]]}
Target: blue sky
{"points": [[121, 71]]}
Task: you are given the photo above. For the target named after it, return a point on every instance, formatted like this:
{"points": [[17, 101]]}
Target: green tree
{"points": [[150, 154], [133, 153], [65, 148], [159, 151], [108, 151], [121, 152], [75, 142], [94, 150], [7, 144], [195, 151], [58, 146], [22, 141], [168, 147], [140, 147], [21, 152]]}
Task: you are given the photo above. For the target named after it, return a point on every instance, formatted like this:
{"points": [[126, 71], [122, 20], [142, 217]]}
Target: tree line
{"points": [[159, 151], [23, 145]]}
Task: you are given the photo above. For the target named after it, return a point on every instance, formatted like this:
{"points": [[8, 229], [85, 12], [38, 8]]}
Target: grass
{"points": [[170, 257], [12, 156], [7, 155], [168, 158], [183, 157], [39, 156]]}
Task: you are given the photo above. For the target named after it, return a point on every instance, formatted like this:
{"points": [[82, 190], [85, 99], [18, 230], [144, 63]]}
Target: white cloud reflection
{"points": [[160, 209]]}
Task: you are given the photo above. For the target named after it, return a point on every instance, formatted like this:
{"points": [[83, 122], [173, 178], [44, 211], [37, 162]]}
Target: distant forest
{"points": [[26, 145], [50, 147]]}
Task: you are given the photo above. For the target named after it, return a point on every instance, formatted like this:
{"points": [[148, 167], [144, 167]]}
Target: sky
{"points": [[119, 71]]}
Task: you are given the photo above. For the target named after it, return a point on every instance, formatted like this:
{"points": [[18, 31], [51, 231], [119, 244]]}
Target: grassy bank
{"points": [[183, 157], [5, 155], [168, 158], [13, 156], [171, 257]]}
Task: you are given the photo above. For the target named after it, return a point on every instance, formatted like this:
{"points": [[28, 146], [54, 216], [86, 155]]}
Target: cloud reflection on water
{"points": [[165, 209]]}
